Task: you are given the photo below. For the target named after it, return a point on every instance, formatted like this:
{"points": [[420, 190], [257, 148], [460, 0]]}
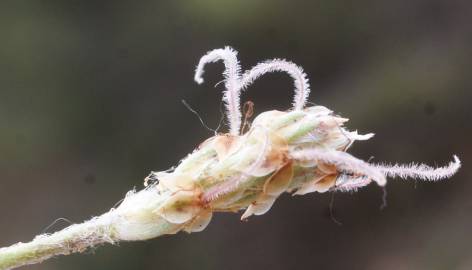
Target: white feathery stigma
{"points": [[235, 83], [343, 161], [302, 87], [420, 171], [232, 78]]}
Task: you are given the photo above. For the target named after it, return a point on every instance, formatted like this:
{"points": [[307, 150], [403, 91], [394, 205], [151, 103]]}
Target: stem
{"points": [[132, 220], [75, 238]]}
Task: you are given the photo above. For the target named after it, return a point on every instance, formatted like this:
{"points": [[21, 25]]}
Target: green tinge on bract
{"points": [[237, 179]]}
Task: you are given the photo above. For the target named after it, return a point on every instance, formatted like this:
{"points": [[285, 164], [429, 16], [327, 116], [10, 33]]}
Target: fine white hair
{"points": [[232, 77], [343, 161], [420, 171], [377, 172], [300, 80], [235, 83]]}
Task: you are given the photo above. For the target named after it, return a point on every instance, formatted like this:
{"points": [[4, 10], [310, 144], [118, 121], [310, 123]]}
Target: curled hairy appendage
{"points": [[377, 172], [232, 81], [230, 60], [420, 171], [235, 83], [343, 162], [302, 87]]}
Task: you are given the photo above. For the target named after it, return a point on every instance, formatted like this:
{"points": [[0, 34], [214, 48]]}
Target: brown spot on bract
{"points": [[280, 181], [309, 186], [327, 168], [260, 207], [199, 222], [277, 155], [224, 144], [274, 159], [179, 208], [326, 183]]}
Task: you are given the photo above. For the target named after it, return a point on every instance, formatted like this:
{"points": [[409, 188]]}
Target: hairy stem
{"points": [[132, 220], [75, 238]]}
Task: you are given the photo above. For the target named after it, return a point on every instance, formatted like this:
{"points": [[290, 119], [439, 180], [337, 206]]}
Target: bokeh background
{"points": [[90, 103]]}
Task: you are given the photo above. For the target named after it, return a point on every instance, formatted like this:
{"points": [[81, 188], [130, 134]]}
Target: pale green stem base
{"points": [[75, 238], [133, 220]]}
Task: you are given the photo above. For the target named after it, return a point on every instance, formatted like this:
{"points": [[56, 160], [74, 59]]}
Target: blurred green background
{"points": [[90, 103]]}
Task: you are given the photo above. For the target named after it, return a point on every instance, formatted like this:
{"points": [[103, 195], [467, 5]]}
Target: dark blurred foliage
{"points": [[90, 103]]}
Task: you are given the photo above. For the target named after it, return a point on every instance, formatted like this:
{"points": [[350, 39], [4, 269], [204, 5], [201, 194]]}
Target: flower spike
{"points": [[298, 151]]}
